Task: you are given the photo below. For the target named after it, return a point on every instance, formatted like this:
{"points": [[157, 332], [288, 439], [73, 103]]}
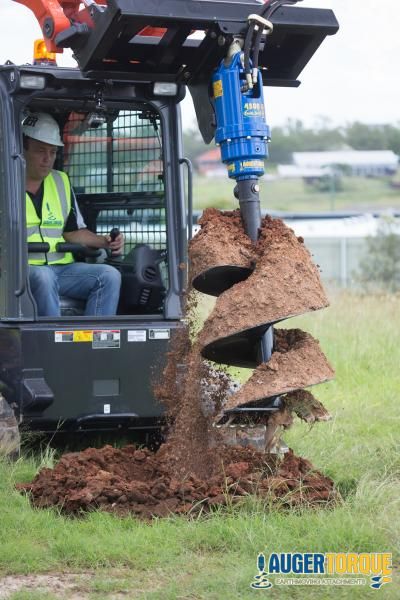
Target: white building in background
{"points": [[339, 244], [358, 226], [306, 173], [363, 163]]}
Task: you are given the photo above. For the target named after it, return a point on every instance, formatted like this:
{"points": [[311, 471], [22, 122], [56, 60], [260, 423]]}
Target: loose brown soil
{"points": [[221, 241], [285, 283], [195, 470], [134, 481], [306, 406], [296, 363]]}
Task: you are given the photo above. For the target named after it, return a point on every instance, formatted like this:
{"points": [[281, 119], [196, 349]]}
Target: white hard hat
{"points": [[42, 127]]}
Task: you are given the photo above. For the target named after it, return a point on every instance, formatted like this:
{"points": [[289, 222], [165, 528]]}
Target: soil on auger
{"points": [[194, 469]]}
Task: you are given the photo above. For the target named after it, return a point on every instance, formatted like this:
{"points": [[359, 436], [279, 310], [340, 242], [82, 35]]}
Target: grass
{"points": [[361, 337], [214, 557], [293, 195]]}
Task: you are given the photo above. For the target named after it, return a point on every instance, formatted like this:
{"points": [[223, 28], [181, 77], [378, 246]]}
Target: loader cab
{"points": [[123, 154], [114, 159], [121, 151]]}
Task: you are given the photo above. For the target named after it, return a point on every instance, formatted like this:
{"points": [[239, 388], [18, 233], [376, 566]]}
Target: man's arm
{"points": [[88, 238], [75, 231]]}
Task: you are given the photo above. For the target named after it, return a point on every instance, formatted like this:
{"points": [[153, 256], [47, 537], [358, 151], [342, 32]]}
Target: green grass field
{"points": [[214, 557], [294, 196]]}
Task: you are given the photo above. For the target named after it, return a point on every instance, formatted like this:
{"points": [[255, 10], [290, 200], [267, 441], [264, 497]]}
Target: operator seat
{"points": [[72, 307]]}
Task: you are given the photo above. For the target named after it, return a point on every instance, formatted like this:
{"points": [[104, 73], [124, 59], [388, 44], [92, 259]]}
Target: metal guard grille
{"points": [[117, 173]]}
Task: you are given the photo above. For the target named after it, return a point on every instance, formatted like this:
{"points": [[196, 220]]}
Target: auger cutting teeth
{"points": [[264, 434], [244, 417]]}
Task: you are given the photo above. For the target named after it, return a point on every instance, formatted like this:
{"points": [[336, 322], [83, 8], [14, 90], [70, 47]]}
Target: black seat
{"points": [[72, 307]]}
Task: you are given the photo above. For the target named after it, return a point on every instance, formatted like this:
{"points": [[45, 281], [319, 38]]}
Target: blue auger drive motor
{"points": [[242, 132]]}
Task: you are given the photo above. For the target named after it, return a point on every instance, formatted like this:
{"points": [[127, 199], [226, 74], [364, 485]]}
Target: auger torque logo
{"points": [[329, 569]]}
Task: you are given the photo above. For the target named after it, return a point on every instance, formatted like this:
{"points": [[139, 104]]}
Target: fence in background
{"points": [[338, 258]]}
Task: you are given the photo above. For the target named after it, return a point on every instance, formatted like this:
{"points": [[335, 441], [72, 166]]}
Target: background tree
{"points": [[380, 269], [294, 136]]}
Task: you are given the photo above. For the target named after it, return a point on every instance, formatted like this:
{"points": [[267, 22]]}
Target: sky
{"points": [[352, 76]]}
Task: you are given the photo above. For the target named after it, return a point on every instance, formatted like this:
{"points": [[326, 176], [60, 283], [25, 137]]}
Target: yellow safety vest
{"points": [[56, 207]]}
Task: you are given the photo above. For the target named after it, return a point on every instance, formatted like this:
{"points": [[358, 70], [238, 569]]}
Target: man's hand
{"points": [[93, 240], [116, 246]]}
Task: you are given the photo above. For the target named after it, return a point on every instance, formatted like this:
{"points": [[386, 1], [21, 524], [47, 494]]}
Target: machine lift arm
{"points": [[152, 41], [54, 16]]}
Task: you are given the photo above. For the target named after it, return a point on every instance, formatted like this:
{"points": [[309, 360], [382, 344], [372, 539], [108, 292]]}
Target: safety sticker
{"points": [[106, 338], [83, 336], [159, 334], [73, 336], [137, 335], [218, 89]]}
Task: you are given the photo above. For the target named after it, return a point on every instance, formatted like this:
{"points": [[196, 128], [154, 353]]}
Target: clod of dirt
{"points": [[285, 283], [306, 406], [133, 481], [297, 362]]}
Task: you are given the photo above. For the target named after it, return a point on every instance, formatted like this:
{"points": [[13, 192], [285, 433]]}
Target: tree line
{"points": [[294, 136]]}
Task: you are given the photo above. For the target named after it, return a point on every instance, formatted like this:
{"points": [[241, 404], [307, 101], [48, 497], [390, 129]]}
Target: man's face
{"points": [[39, 158]]}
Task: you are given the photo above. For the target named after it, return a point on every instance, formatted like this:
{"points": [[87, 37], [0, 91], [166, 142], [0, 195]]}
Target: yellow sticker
{"points": [[245, 165], [217, 88], [83, 336]]}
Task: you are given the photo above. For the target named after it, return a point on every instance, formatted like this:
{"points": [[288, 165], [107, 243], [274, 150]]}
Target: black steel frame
{"points": [[115, 47]]}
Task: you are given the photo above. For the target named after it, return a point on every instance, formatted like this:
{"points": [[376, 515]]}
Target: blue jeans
{"points": [[99, 285]]}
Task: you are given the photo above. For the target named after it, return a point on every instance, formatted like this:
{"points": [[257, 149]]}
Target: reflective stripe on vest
{"points": [[56, 206]]}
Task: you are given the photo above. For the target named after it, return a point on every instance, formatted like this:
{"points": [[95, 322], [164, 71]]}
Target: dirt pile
{"points": [[134, 481]]}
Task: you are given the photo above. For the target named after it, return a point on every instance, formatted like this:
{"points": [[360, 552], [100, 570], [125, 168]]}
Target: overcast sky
{"points": [[353, 76]]}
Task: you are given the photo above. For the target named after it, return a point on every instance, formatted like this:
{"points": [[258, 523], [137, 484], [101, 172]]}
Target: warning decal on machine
{"points": [[106, 338], [159, 334], [218, 89], [137, 335], [73, 336]]}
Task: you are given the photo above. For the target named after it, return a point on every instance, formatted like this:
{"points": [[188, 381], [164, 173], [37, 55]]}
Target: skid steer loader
{"points": [[119, 114]]}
